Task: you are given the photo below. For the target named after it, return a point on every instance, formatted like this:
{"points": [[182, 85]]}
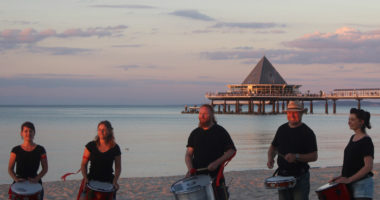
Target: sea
{"points": [[153, 138]]}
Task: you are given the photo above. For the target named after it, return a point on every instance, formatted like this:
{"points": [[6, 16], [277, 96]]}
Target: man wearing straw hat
{"points": [[209, 147], [296, 145]]}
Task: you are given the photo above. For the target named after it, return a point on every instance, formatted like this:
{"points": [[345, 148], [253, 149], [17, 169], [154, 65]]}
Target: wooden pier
{"points": [[265, 86]]}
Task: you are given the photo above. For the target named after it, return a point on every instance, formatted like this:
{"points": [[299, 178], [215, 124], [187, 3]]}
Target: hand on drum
{"points": [[20, 180], [343, 180], [33, 180], [116, 185], [333, 179], [191, 172], [270, 163]]}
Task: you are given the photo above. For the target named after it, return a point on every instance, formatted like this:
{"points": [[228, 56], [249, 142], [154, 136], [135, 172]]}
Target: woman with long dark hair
{"points": [[358, 157]]}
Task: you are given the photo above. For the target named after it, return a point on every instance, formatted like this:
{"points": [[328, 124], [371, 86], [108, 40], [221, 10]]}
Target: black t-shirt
{"points": [[299, 140], [354, 154], [28, 162], [101, 162], [209, 145]]}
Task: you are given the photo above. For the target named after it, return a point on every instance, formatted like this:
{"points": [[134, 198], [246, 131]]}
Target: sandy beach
{"points": [[242, 185]]}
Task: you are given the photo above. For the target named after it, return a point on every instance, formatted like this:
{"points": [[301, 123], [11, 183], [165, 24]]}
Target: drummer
{"points": [[358, 157], [208, 147], [102, 152], [296, 145], [28, 156]]}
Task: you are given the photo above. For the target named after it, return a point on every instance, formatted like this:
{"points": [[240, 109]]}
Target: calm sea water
{"points": [[153, 138]]}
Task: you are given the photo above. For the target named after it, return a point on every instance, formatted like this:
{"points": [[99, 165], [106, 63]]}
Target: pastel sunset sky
{"points": [[173, 52]]}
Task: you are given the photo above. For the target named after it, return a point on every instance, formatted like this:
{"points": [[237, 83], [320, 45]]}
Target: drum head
{"points": [[100, 186], [326, 186], [191, 184], [276, 179], [26, 188]]}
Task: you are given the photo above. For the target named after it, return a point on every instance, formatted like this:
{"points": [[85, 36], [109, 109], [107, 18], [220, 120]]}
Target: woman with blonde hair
{"points": [[102, 152]]}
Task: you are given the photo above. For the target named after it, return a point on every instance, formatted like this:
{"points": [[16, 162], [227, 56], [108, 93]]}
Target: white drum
{"points": [[193, 188], [99, 190], [280, 182], [26, 191]]}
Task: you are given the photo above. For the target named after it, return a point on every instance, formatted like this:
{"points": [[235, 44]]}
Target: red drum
{"points": [[280, 182], [25, 191], [97, 190], [333, 191]]}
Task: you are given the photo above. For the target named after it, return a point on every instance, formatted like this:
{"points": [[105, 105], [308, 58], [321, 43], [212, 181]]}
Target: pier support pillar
{"points": [[250, 110], [359, 103], [259, 107], [212, 103], [229, 108], [224, 106], [218, 108], [327, 107], [334, 106], [263, 104], [237, 107], [283, 105], [274, 106], [278, 107], [311, 107]]}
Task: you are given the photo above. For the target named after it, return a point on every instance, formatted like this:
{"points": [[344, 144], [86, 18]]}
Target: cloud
{"points": [[247, 25], [346, 45], [343, 38], [129, 6], [15, 38], [128, 46], [127, 67], [19, 22], [192, 14], [84, 81], [59, 50]]}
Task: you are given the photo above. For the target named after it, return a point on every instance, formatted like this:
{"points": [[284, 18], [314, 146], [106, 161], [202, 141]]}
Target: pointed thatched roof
{"points": [[264, 73]]}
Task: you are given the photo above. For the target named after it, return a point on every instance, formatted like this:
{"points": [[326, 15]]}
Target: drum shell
{"points": [[198, 192], [96, 195], [35, 196], [290, 182], [335, 192]]}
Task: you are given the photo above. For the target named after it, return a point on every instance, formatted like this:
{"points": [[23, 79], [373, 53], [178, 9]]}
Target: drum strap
{"points": [[10, 193], [68, 174], [81, 188], [220, 172], [276, 172]]}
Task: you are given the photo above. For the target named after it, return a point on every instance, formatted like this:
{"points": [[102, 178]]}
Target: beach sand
{"points": [[242, 185]]}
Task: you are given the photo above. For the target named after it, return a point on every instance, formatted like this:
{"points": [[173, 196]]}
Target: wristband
{"points": [[193, 171]]}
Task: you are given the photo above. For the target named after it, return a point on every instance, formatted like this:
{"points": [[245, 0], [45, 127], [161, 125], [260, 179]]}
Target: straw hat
{"points": [[294, 106]]}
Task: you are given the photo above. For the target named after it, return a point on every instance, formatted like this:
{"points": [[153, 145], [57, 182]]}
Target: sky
{"points": [[169, 52]]}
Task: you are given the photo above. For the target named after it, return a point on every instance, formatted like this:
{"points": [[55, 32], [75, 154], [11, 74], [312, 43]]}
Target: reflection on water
{"points": [[153, 138]]}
